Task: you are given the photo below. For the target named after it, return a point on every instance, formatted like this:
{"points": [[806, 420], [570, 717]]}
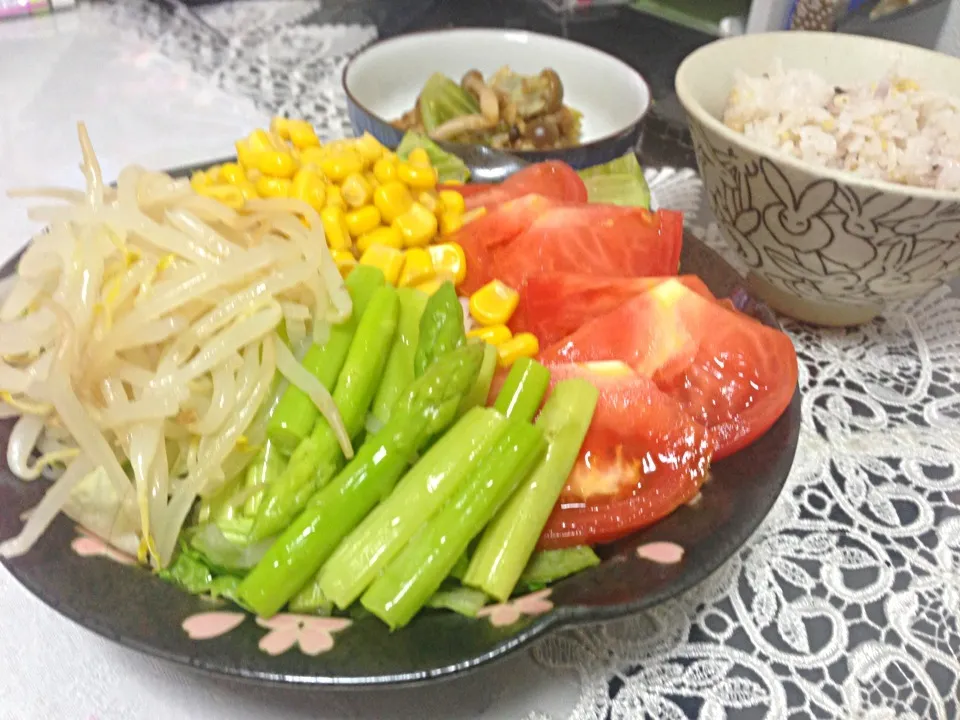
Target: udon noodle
{"points": [[141, 349]]}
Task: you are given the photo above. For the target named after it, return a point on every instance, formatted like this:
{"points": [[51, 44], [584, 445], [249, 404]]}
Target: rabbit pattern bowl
{"points": [[822, 246]]}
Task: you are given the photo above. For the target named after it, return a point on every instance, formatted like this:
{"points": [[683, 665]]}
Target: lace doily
{"points": [[845, 603]]}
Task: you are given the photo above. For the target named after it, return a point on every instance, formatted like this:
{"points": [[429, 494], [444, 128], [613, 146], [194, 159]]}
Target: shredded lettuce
{"points": [[619, 182], [548, 566], [190, 572], [462, 600], [449, 167]]}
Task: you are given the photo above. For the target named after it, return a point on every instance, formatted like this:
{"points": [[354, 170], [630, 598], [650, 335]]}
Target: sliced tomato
{"points": [[601, 240], [727, 371], [553, 305], [552, 179], [482, 236], [642, 458]]}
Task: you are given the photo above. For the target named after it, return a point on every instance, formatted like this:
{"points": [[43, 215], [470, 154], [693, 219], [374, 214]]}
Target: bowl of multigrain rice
{"points": [[832, 165]]}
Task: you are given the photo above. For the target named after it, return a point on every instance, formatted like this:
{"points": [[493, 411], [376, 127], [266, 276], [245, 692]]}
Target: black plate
{"points": [[134, 608]]}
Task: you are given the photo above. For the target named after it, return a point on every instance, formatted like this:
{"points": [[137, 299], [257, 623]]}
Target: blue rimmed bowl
{"points": [[383, 81]]}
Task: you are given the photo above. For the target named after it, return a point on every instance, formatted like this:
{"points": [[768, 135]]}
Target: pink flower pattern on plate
{"points": [[664, 553], [89, 545], [314, 635], [208, 625], [508, 613]]}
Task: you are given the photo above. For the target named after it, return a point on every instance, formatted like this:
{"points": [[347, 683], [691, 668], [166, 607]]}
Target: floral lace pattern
{"points": [[846, 603]]}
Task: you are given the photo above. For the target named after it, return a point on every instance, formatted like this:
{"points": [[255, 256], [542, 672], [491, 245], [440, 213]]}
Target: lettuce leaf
{"points": [[441, 99], [449, 167], [462, 600], [548, 566], [190, 572], [618, 182]]}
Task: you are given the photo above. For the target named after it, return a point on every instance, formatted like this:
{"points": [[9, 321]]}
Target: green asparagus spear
{"points": [[523, 390], [266, 467], [310, 600], [384, 532], [319, 456], [441, 328], [398, 373], [295, 414], [477, 397], [508, 542], [427, 407], [418, 571]]}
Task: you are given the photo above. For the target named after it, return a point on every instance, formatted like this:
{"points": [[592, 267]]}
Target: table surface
{"points": [[845, 604]]}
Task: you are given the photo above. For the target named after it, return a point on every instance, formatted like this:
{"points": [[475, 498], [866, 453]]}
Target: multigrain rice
{"points": [[890, 130]]}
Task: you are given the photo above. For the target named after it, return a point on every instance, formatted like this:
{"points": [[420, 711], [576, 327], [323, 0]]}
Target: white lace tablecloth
{"points": [[846, 604]]}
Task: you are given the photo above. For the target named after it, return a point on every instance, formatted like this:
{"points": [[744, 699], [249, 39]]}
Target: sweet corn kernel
{"points": [[213, 172], [200, 180], [280, 126], [390, 155], [385, 170], [226, 194], [260, 140], [302, 135], [369, 148], [247, 189], [520, 345], [277, 164], [452, 201], [309, 187], [253, 174], [417, 268], [273, 187], [356, 190], [418, 156], [392, 200], [371, 178], [339, 165], [431, 286], [450, 259], [345, 261], [362, 220], [450, 223], [388, 259], [418, 225], [335, 197], [429, 200], [494, 303], [312, 156], [496, 335], [417, 177], [387, 236], [335, 228], [232, 173]]}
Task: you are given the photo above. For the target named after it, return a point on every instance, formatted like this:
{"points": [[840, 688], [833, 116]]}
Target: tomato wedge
{"points": [[727, 371], [601, 240], [553, 305], [641, 459], [552, 179]]}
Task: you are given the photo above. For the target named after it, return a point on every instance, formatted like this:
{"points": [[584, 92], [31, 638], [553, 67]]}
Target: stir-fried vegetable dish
{"points": [[508, 111], [331, 375]]}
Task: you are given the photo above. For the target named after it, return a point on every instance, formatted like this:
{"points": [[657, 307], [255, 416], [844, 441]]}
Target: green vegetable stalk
{"points": [[477, 397], [398, 373], [418, 496], [506, 545], [295, 414], [266, 467], [441, 328], [523, 389], [418, 571], [319, 456], [427, 407]]}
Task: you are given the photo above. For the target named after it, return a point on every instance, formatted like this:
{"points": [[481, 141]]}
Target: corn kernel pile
{"points": [[376, 209]]}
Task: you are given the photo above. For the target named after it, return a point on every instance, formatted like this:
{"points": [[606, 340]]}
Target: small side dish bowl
{"points": [[383, 81], [823, 246]]}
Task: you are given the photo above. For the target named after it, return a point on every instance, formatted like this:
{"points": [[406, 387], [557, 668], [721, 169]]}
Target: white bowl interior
{"points": [[706, 77], [386, 78]]}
